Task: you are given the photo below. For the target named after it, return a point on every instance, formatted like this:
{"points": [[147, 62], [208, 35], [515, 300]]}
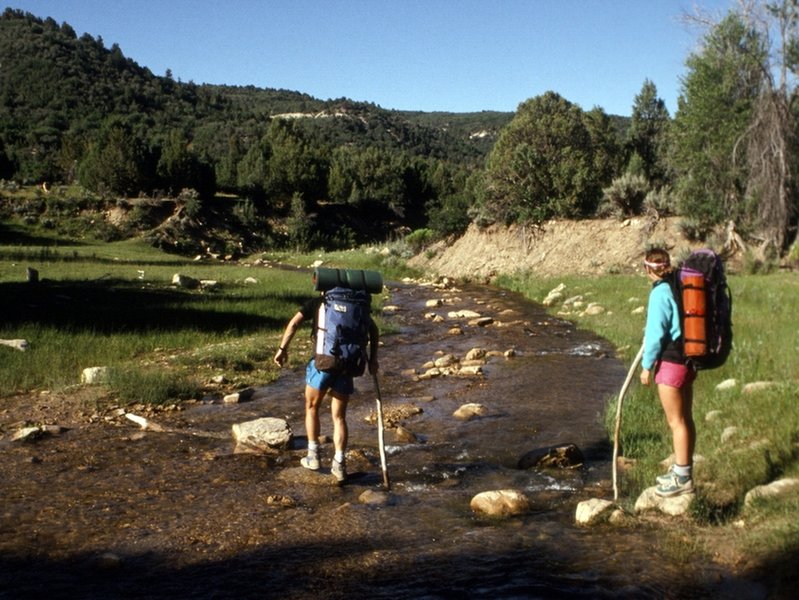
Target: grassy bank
{"points": [[114, 305], [764, 444]]}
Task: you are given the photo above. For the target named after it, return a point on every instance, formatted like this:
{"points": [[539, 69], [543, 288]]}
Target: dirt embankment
{"points": [[589, 247]]}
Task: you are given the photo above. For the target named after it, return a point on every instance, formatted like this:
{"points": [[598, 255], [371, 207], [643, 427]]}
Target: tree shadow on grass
{"points": [[24, 237], [110, 306]]}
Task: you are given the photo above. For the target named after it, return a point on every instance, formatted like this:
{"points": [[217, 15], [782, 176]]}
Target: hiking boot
{"points": [[664, 479], [339, 470], [675, 486], [310, 462]]}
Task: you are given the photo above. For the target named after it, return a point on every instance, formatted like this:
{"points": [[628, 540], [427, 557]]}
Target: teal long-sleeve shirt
{"points": [[662, 323]]}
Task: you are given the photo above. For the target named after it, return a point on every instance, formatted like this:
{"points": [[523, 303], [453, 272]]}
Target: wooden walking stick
{"points": [[626, 385], [380, 433]]}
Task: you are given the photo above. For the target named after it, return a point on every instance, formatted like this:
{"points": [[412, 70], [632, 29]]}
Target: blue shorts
{"points": [[319, 380], [674, 374]]}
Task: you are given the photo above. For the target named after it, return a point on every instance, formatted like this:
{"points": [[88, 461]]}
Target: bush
{"points": [[660, 202], [625, 196], [420, 238]]}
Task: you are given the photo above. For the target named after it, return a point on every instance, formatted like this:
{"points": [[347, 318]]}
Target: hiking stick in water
{"points": [[630, 374], [380, 433]]}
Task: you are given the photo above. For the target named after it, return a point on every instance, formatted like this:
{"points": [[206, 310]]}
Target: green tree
{"points": [[715, 108], [294, 165], [116, 162], [542, 165], [647, 136], [251, 172], [180, 168], [299, 224]]}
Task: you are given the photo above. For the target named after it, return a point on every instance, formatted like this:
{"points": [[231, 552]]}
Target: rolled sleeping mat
{"points": [[355, 279]]}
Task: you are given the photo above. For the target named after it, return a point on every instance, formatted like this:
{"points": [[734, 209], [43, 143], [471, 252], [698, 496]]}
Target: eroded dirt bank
{"points": [[589, 247]]}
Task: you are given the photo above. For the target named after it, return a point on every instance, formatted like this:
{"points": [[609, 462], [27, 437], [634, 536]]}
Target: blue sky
{"points": [[429, 55]]}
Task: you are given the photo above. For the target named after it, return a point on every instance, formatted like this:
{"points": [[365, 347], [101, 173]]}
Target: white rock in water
{"points": [[500, 503], [262, 434], [593, 511]]}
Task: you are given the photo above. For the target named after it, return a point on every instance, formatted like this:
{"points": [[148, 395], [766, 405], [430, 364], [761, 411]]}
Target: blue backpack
{"points": [[343, 331]]}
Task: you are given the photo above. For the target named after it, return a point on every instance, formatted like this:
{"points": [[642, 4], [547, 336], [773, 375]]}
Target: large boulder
{"points": [[781, 488], [593, 511], [674, 506], [262, 435]]}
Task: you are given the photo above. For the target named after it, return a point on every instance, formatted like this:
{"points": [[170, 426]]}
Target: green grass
{"points": [[765, 445], [114, 304]]}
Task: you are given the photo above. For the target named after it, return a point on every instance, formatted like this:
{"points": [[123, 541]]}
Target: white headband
{"points": [[655, 265]]}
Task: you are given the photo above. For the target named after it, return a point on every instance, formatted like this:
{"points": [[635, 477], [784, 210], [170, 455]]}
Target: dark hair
{"points": [[658, 261]]}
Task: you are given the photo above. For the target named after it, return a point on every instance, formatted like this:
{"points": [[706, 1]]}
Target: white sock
{"points": [[313, 448], [339, 456], [682, 470]]}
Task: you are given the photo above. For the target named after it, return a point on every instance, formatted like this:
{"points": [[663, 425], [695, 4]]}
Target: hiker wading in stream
{"points": [[318, 383], [663, 354]]}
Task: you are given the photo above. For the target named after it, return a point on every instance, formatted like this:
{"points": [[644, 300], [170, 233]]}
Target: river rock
{"points": [[728, 433], [594, 309], [674, 506], [593, 511], [94, 375], [405, 435], [263, 434], [470, 370], [464, 314], [481, 321], [434, 303], [185, 281], [469, 411], [445, 361], [555, 295], [475, 354], [567, 456], [17, 344], [758, 386], [727, 384], [500, 503], [374, 498], [30, 434], [244, 395], [781, 488]]}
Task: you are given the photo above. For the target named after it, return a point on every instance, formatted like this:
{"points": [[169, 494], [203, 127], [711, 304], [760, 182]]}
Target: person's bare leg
{"points": [[313, 398], [339, 413], [678, 409]]}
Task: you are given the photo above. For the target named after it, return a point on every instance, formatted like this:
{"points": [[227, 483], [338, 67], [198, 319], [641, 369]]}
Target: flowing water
{"points": [[110, 511]]}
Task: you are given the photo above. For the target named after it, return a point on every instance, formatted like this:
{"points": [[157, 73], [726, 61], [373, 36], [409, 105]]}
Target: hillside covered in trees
{"points": [[96, 130]]}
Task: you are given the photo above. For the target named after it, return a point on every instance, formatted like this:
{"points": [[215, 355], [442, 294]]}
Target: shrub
{"points": [[625, 196], [420, 238]]}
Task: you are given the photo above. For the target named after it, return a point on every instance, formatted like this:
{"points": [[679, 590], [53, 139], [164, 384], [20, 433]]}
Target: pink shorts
{"points": [[674, 374]]}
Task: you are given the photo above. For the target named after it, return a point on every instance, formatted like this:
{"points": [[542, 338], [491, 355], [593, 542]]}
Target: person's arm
{"points": [[374, 341], [282, 353], [658, 319]]}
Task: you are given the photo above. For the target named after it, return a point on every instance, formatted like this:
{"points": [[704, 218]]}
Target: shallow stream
{"points": [[111, 511]]}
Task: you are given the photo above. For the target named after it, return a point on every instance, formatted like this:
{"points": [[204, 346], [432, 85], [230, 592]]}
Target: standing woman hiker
{"points": [[317, 385], [663, 354]]}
